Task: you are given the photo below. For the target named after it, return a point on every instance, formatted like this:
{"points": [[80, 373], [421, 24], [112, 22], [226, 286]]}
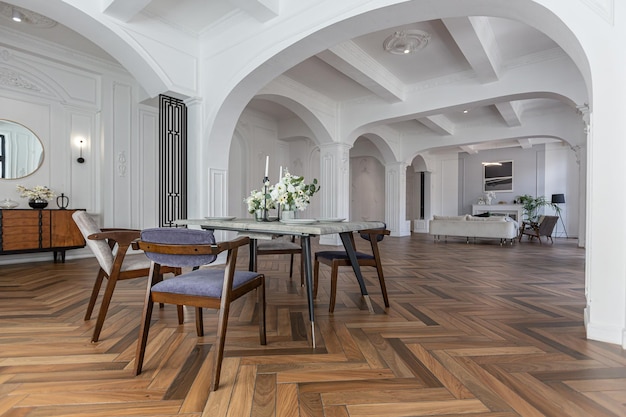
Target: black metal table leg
{"points": [[351, 252], [308, 273]]}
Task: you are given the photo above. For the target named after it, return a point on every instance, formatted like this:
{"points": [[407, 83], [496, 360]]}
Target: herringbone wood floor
{"points": [[473, 329]]}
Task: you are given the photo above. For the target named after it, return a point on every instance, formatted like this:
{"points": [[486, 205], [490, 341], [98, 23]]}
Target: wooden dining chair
{"points": [[110, 247], [199, 288], [335, 259], [282, 245]]}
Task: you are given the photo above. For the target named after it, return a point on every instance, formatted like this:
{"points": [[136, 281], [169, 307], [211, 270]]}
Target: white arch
{"points": [[233, 98], [320, 132]]}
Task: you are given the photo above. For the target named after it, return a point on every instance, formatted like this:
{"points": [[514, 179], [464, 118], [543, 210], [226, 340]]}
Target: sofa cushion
{"points": [[463, 217]]}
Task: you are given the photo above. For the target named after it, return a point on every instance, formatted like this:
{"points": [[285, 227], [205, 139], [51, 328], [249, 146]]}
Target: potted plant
{"points": [[531, 206]]}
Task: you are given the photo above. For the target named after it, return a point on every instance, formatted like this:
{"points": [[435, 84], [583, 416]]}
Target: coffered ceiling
{"points": [[475, 47]]}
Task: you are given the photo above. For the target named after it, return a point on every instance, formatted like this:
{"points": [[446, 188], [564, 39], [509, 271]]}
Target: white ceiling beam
{"points": [[261, 10], [352, 61], [438, 123], [476, 40], [510, 112], [469, 149], [123, 10]]}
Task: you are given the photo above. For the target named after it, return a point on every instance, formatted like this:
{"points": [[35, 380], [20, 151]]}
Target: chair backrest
{"points": [[379, 237], [546, 226], [176, 236], [100, 248]]}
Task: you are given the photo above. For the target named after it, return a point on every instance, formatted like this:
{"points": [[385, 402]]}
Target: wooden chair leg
{"points": [[222, 325], [261, 300], [199, 322], [291, 267], [301, 269], [144, 329], [316, 271], [180, 312], [333, 287], [94, 294], [104, 308], [383, 287]]}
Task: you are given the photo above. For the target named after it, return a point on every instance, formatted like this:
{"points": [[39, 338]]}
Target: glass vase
{"points": [[259, 215], [288, 212]]}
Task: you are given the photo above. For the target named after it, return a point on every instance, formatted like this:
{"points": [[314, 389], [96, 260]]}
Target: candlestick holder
{"points": [[266, 182]]}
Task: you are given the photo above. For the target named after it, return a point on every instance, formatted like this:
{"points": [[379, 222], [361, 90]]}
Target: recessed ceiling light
{"points": [[465, 111], [16, 16], [24, 16], [406, 41]]}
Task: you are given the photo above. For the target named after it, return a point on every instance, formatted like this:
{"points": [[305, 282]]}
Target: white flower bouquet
{"points": [[38, 192], [292, 193], [258, 200]]}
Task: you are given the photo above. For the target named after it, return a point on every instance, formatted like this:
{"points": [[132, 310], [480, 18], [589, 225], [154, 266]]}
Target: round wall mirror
{"points": [[21, 151]]}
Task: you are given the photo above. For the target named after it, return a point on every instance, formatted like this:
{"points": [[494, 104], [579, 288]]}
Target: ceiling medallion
{"points": [[21, 15], [406, 41]]}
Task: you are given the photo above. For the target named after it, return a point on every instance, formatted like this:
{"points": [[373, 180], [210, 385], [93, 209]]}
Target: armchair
{"points": [[544, 227], [109, 246], [199, 288]]}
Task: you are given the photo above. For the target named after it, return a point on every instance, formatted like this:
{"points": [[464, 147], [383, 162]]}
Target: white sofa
{"points": [[468, 226]]}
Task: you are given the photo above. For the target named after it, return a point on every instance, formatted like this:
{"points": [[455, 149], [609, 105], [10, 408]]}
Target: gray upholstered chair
{"points": [[544, 227], [110, 246], [335, 259], [283, 245], [199, 288]]}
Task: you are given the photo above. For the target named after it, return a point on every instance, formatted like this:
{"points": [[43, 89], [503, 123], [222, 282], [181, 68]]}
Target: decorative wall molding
{"points": [[121, 164], [218, 192], [13, 79]]}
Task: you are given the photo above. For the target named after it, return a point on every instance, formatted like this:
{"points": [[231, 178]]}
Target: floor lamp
{"points": [[556, 200]]}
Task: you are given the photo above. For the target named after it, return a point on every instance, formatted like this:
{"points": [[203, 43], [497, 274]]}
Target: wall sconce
{"points": [[80, 159]]}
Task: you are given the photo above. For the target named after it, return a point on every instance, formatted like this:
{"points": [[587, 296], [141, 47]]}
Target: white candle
{"points": [[280, 176], [267, 165]]}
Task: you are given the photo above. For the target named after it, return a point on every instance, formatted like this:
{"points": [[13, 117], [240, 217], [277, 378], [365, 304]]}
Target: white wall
{"points": [[563, 177], [367, 190], [83, 98], [255, 138], [541, 170]]}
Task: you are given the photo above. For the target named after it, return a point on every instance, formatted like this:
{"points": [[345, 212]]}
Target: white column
{"points": [[581, 158], [395, 199], [335, 184]]}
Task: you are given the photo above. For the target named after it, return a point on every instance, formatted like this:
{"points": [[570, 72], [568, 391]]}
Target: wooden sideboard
{"points": [[31, 230]]}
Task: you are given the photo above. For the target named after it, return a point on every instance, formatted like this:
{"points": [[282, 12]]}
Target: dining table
{"points": [[304, 229]]}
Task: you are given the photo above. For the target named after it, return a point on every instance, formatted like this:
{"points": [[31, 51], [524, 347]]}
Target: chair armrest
{"points": [[121, 236]]}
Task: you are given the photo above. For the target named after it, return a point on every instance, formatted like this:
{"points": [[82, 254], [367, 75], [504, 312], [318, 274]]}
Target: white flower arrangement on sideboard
{"points": [[38, 192]]}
